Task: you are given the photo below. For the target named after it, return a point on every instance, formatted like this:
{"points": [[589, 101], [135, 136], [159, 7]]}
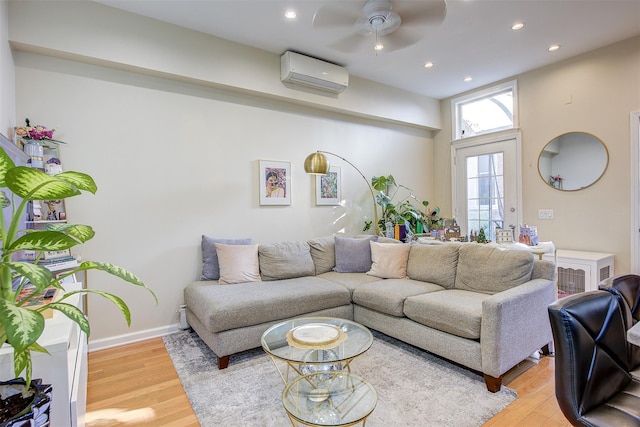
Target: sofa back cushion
{"points": [[491, 270], [210, 265], [353, 255], [323, 253], [434, 263], [285, 260]]}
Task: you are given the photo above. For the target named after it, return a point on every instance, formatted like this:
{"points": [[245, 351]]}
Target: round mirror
{"points": [[573, 161]]}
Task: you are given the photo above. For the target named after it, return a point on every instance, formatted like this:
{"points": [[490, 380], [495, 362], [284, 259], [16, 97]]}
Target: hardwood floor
{"points": [[136, 385]]}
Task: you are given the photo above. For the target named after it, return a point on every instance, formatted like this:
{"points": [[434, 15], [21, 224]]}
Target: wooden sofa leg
{"points": [[223, 362], [493, 384]]}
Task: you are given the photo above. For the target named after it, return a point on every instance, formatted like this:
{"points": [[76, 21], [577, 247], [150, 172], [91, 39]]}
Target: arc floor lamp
{"points": [[317, 164]]}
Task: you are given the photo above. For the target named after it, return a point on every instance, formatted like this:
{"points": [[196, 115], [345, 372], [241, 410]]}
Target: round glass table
{"points": [[315, 344], [329, 399]]}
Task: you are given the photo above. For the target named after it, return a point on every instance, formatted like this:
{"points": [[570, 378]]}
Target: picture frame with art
{"points": [[274, 182], [329, 187], [48, 211]]}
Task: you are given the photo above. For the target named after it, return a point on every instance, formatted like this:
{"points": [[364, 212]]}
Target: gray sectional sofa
{"points": [[481, 307]]}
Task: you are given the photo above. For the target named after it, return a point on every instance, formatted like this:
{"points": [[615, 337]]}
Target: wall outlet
{"points": [[545, 214]]}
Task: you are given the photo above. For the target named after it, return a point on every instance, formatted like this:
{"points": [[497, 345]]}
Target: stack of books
{"points": [[54, 261]]}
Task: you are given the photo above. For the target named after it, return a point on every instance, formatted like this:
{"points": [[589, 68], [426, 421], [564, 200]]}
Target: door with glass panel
{"points": [[486, 187]]}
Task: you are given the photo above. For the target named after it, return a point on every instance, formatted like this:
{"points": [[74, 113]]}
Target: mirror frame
{"points": [[604, 169]]}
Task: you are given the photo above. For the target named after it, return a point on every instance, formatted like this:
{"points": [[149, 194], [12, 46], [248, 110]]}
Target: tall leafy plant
{"points": [[21, 327], [415, 217]]}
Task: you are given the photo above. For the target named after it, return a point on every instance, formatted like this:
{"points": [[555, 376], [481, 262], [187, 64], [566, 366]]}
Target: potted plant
{"points": [[21, 327], [404, 212]]}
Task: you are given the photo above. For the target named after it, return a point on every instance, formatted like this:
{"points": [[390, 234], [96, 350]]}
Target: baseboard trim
{"points": [[116, 341]]}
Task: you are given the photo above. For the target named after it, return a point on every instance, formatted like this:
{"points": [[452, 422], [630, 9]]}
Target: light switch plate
{"points": [[545, 214]]}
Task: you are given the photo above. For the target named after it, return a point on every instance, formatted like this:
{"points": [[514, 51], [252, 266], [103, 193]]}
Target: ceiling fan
{"points": [[379, 24]]}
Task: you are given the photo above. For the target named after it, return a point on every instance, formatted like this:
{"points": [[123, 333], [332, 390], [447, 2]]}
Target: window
{"points": [[488, 110]]}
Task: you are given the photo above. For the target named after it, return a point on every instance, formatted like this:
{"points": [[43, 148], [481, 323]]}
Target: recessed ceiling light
{"points": [[290, 14], [468, 79], [517, 26], [428, 65], [553, 47]]}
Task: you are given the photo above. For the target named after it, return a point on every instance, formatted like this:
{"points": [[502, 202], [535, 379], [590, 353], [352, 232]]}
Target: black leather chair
{"points": [[627, 288], [593, 383]]}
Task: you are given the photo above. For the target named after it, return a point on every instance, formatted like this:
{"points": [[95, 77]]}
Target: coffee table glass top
{"points": [[329, 399], [318, 340]]}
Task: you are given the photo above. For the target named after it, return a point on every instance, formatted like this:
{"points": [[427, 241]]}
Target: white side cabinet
{"points": [[580, 271], [65, 368]]}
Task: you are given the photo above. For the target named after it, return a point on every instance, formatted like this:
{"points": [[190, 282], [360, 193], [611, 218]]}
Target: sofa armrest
{"points": [[515, 323]]}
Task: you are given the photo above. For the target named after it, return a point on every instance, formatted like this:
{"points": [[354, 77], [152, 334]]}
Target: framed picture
{"points": [[328, 187], [49, 210], [275, 183]]}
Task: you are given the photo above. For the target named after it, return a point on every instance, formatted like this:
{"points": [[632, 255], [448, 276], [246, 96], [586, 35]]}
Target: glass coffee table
{"points": [[329, 399], [313, 345]]}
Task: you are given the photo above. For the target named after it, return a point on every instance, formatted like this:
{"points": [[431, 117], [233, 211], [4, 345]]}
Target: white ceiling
{"points": [[475, 39]]}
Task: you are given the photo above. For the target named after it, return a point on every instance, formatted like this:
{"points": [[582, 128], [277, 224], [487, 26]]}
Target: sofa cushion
{"points": [[351, 281], [434, 263], [285, 260], [452, 311], [388, 296], [210, 266], [323, 253], [491, 270], [353, 255], [238, 263], [389, 260], [221, 308]]}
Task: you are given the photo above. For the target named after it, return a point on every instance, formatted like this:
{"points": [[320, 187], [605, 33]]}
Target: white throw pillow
{"points": [[238, 263], [389, 260]]}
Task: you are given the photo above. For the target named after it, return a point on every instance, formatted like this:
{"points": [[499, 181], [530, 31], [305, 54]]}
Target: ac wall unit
{"points": [[314, 73]]}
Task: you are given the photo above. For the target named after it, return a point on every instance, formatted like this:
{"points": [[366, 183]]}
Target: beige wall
{"points": [[7, 75], [176, 157], [603, 87]]}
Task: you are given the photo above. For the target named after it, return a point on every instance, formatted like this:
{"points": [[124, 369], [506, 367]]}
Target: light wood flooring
{"points": [[136, 385]]}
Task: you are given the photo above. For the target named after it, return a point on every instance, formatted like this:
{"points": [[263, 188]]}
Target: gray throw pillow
{"points": [[210, 266], [353, 255]]}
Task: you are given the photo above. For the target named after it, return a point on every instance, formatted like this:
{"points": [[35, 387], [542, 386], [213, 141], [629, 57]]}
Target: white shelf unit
{"points": [[65, 368], [580, 271]]}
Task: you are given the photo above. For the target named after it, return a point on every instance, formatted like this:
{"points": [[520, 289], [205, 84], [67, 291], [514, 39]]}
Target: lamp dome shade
{"points": [[316, 164]]}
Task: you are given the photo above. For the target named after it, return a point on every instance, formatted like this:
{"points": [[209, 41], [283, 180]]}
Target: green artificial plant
{"points": [[405, 211], [21, 327]]}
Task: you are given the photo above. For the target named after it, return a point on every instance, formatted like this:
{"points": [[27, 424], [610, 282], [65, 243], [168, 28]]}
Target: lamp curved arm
{"points": [[373, 197]]}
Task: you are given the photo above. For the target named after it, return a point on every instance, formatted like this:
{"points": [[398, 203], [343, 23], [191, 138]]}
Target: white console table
{"points": [[65, 368], [580, 271]]}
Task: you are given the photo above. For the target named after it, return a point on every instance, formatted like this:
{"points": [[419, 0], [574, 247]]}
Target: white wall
{"points": [[174, 161], [592, 93], [7, 75]]}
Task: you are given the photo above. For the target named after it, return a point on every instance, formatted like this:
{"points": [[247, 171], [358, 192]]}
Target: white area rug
{"points": [[414, 387]]}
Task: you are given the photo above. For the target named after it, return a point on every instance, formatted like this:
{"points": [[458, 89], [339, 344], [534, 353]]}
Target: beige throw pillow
{"points": [[389, 260], [238, 263]]}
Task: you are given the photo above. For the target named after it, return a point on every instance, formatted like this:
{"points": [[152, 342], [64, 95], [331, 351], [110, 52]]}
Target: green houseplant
{"points": [[21, 327], [404, 211]]}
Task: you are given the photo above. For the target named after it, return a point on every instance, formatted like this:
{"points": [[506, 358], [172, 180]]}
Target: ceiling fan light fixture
{"points": [[378, 46]]}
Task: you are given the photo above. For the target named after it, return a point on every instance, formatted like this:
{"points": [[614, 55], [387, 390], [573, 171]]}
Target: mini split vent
{"points": [[314, 73]]}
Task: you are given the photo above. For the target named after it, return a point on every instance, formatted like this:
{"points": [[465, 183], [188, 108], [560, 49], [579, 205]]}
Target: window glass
{"points": [[489, 110]]}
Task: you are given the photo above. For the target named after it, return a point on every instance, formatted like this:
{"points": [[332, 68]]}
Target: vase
{"points": [[35, 151], [17, 411]]}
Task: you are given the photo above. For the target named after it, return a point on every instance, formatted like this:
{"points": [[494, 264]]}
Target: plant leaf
{"points": [[73, 313], [116, 271], [80, 180], [5, 165], [82, 233], [39, 276], [23, 326], [33, 184], [114, 299], [43, 240]]}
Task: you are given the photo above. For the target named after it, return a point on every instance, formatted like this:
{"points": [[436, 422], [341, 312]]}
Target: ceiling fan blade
{"points": [[334, 16], [426, 12], [353, 43]]}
